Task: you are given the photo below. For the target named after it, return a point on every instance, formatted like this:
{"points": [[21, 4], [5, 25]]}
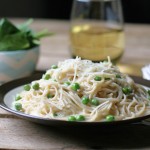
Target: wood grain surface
{"points": [[56, 48], [16, 133]]}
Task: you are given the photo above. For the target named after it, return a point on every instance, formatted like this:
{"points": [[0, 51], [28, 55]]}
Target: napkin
{"points": [[146, 72]]}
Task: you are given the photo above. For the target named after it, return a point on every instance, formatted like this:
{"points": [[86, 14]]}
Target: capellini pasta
{"points": [[80, 90]]}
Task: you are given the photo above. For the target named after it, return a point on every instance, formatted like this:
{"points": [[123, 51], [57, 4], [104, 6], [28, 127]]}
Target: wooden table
{"points": [[16, 133]]}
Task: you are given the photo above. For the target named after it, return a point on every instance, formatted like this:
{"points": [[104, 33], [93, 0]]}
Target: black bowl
{"points": [[8, 90]]}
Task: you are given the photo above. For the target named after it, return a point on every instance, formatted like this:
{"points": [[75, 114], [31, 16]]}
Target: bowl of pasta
{"points": [[78, 92]]}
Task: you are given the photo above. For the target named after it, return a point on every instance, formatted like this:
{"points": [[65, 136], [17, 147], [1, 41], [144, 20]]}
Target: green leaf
{"points": [[25, 25], [6, 27], [17, 41], [42, 34], [36, 42], [19, 37]]}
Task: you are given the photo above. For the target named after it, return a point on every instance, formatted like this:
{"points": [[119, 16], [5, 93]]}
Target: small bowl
{"points": [[17, 64]]}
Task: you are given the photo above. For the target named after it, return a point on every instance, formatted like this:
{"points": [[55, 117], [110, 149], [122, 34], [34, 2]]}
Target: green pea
{"points": [[54, 66], [75, 86], [110, 118], [126, 90], [18, 97], [94, 102], [47, 77], [85, 100], [36, 86], [148, 92], [118, 76], [18, 106], [107, 78], [80, 118], [27, 87], [71, 118], [55, 80], [49, 95], [55, 114], [67, 83], [130, 90], [97, 78]]}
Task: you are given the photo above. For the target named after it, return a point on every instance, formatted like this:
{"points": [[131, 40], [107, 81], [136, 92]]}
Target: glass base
{"points": [[114, 61]]}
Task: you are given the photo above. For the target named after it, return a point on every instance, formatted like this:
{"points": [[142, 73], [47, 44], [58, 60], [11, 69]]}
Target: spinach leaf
{"points": [[17, 41], [25, 26], [19, 37], [6, 27], [42, 34]]}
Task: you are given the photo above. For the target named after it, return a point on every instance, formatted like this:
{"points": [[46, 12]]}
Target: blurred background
{"points": [[135, 11]]}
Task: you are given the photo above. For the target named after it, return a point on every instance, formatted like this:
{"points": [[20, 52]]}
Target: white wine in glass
{"points": [[97, 30]]}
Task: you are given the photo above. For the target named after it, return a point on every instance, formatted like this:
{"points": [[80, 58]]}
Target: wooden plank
{"points": [[137, 39], [21, 134], [4, 113]]}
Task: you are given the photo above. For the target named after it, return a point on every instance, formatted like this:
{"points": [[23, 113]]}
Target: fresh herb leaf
{"points": [[42, 34], [16, 41], [19, 37], [7, 28], [25, 26]]}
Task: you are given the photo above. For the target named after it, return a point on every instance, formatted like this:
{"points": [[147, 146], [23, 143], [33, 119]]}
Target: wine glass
{"points": [[97, 30]]}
